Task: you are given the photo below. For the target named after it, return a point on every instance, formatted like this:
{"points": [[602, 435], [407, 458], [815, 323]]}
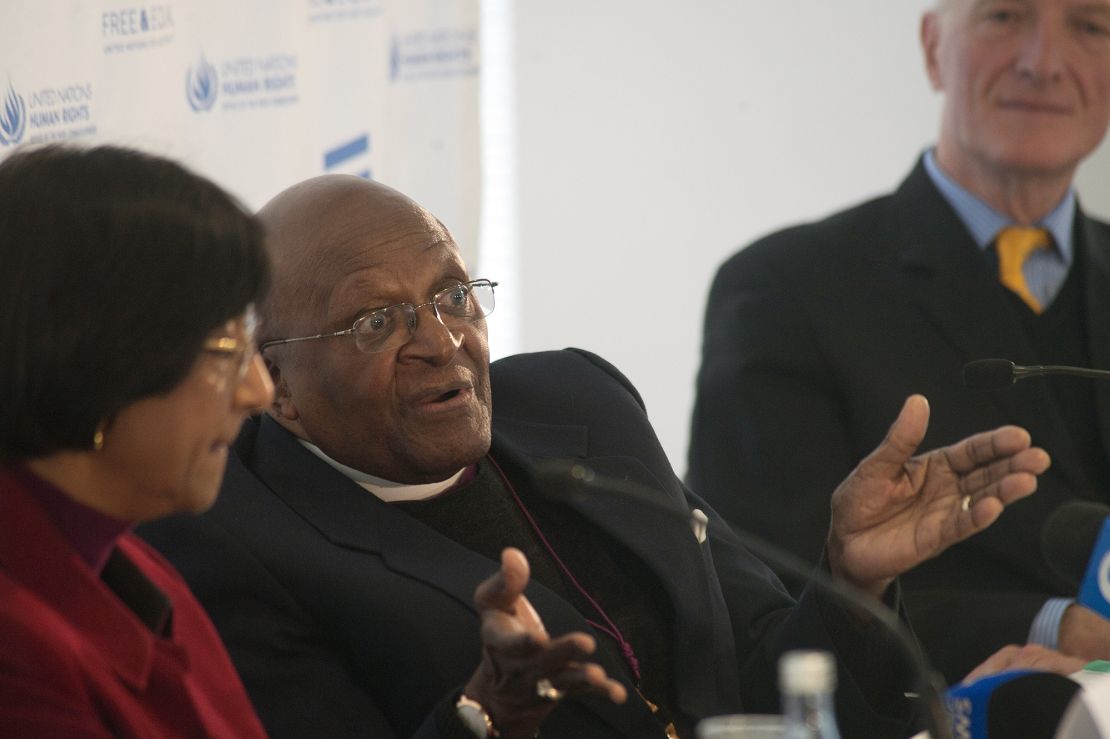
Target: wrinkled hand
{"points": [[895, 510], [517, 652], [1027, 657]]}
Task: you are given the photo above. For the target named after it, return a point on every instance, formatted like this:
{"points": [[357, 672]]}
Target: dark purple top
{"points": [[93, 534]]}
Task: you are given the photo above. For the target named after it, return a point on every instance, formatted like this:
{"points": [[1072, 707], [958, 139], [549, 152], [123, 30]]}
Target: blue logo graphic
{"points": [[201, 85], [13, 118], [347, 153]]}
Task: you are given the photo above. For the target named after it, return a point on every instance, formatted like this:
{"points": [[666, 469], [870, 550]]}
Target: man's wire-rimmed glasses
{"points": [[378, 330]]}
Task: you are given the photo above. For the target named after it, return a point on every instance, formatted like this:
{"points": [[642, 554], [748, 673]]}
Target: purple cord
{"points": [[611, 629]]}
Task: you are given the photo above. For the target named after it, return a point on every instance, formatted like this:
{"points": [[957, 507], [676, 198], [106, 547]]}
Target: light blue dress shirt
{"points": [[1045, 269]]}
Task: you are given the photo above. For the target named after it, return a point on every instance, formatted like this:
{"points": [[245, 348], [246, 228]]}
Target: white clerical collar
{"points": [[387, 490]]}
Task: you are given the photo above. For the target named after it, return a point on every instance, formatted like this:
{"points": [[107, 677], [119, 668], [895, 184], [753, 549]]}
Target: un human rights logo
{"points": [[201, 85], [13, 118]]}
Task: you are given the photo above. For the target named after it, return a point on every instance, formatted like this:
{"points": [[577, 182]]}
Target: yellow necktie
{"points": [[1014, 245]]}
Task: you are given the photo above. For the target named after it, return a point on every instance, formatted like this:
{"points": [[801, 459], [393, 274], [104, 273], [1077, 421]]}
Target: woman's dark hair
{"points": [[114, 267]]}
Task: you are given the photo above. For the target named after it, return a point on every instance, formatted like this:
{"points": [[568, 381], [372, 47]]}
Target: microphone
{"points": [[993, 374], [584, 482], [1075, 542], [1087, 715], [1018, 704]]}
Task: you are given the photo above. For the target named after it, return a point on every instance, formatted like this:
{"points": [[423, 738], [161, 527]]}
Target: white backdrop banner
{"points": [[259, 94]]}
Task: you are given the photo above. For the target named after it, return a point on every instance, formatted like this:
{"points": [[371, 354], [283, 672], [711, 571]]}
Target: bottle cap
{"points": [[807, 672]]}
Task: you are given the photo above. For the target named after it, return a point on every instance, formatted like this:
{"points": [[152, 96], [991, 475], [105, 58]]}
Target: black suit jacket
{"points": [[814, 336], [345, 616]]}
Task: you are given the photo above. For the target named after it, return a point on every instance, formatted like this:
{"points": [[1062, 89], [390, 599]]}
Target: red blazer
{"points": [[76, 661]]}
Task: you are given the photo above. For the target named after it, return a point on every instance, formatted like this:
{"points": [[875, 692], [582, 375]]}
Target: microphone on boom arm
{"points": [[995, 374], [577, 479]]}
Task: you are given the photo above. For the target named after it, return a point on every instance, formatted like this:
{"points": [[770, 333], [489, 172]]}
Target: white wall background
{"points": [[628, 146], [655, 138]]}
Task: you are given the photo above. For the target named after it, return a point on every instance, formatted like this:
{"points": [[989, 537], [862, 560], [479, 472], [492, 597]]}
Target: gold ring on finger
{"points": [[547, 691]]}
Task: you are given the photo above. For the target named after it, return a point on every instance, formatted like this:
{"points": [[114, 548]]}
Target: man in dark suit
{"points": [[358, 515], [815, 334]]}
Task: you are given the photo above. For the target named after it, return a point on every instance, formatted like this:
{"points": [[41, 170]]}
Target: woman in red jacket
{"points": [[128, 365]]}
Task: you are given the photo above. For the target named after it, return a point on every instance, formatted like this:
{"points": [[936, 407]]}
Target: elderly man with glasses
{"points": [[358, 515]]}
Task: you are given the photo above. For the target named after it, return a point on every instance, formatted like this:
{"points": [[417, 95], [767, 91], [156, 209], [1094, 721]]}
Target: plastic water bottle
{"points": [[807, 680]]}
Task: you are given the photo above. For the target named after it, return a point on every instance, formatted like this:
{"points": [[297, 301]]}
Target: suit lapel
{"points": [[947, 279], [947, 276], [644, 522], [352, 518], [1096, 250], [35, 553]]}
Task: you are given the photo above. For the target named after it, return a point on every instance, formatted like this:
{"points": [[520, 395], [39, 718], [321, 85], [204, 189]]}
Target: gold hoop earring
{"points": [[98, 440]]}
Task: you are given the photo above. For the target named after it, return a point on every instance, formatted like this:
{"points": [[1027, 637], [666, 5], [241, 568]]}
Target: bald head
{"points": [[417, 410], [317, 231]]}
